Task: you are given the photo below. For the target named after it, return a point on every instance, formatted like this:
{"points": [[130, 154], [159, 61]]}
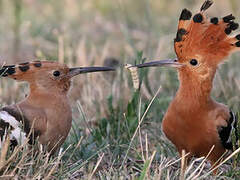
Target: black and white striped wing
{"points": [[226, 132], [12, 127]]}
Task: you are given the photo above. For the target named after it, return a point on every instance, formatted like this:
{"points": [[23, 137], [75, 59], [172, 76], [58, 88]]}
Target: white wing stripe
{"points": [[232, 128], [17, 132], [9, 119]]}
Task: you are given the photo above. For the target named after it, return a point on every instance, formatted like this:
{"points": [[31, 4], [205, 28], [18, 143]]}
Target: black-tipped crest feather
{"points": [[185, 15], [228, 18], [7, 70], [206, 5]]}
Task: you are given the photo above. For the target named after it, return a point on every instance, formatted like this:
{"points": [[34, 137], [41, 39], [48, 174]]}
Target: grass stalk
{"points": [[139, 124]]}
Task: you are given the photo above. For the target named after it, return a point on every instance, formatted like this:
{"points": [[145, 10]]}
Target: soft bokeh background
{"points": [[90, 32], [83, 33]]}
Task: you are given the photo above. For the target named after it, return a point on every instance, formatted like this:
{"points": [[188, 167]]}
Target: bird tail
{"points": [[204, 36]]}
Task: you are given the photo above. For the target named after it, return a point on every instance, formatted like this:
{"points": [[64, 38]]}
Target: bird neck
{"points": [[195, 90], [46, 98]]}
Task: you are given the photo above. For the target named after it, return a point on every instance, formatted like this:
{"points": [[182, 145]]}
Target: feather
{"points": [[9, 125], [225, 132], [206, 5], [209, 38]]}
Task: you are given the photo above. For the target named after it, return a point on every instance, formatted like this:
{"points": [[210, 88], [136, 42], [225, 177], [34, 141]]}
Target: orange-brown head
{"points": [[46, 75], [47, 102], [201, 44]]}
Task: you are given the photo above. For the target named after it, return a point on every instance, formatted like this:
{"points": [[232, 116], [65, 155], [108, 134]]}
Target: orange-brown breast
{"points": [[51, 115], [194, 128]]}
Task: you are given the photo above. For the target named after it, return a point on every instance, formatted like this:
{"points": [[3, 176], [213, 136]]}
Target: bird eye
{"points": [[56, 73], [193, 62]]}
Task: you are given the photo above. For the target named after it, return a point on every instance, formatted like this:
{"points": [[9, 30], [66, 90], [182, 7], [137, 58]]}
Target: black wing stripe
{"points": [[225, 132]]}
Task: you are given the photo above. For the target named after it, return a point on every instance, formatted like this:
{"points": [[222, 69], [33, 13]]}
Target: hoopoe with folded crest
{"points": [[195, 122], [45, 112]]}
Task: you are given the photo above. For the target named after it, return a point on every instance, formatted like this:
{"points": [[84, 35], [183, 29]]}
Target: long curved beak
{"points": [[82, 70], [169, 63]]}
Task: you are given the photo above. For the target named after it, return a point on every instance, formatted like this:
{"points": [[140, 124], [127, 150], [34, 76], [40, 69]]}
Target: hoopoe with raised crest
{"points": [[45, 112], [195, 122]]}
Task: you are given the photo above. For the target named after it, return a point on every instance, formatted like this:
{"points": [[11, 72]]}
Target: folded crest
{"points": [[19, 69], [207, 37]]}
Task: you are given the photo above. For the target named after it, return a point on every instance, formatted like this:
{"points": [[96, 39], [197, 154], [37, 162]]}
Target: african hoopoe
{"points": [[194, 122], [46, 109]]}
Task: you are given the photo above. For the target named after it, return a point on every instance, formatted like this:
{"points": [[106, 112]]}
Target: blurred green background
{"points": [[33, 29], [83, 33]]}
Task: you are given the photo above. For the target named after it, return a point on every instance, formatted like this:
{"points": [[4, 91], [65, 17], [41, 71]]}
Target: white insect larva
{"points": [[134, 73]]}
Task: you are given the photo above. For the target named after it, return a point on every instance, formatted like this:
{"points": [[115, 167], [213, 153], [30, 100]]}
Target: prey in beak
{"points": [[167, 63], [81, 70]]}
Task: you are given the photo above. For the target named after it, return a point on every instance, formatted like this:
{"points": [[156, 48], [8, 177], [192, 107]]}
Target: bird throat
{"points": [[195, 90]]}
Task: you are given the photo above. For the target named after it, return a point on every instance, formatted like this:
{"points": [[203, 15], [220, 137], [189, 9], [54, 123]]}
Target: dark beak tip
{"points": [[111, 69]]}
